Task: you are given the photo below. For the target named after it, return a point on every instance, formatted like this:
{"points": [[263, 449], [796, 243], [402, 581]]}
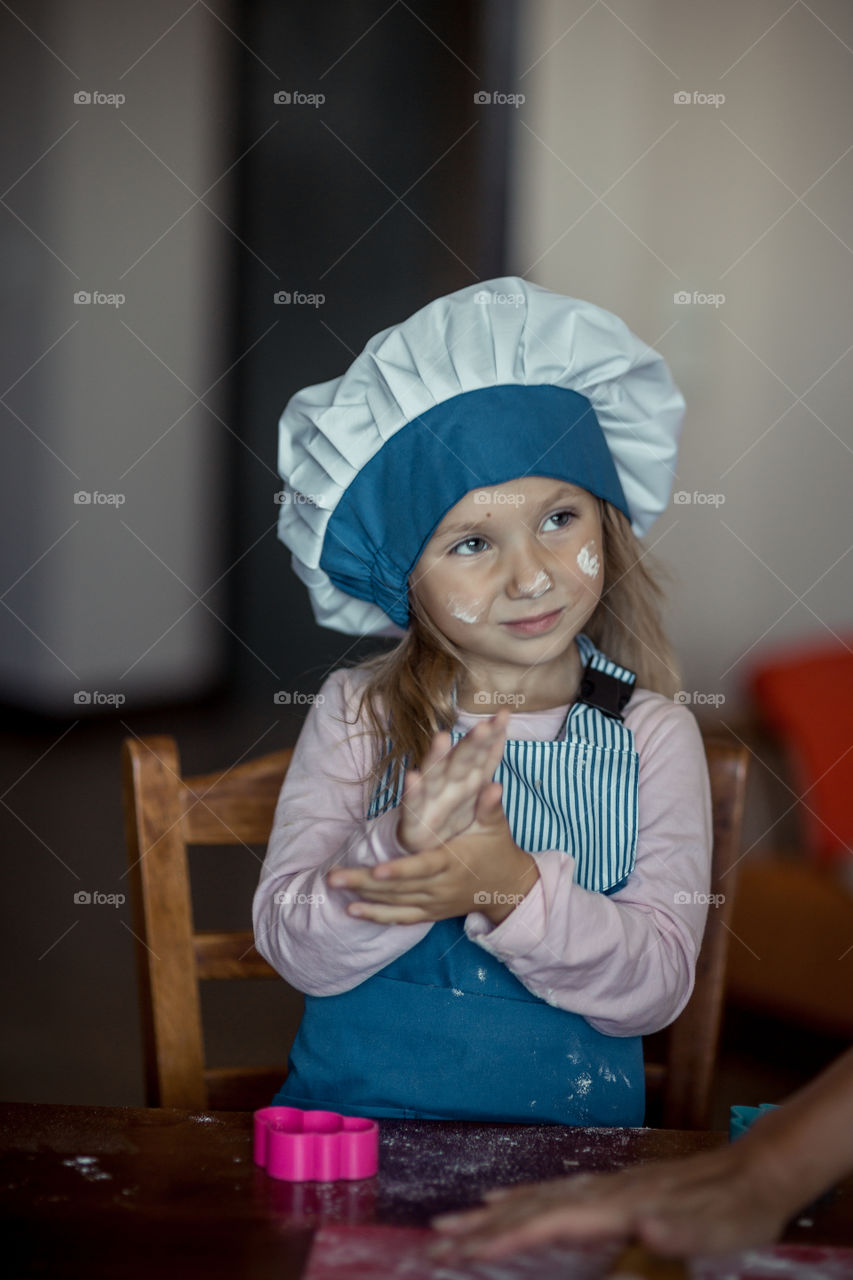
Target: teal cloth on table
{"points": [[740, 1118]]}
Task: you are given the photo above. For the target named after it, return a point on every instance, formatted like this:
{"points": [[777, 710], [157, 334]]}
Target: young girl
{"points": [[489, 864]]}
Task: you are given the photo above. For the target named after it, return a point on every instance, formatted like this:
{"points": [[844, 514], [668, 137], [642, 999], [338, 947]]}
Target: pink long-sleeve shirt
{"points": [[625, 962]]}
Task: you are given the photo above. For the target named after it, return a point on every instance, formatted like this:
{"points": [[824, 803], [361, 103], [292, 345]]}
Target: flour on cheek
{"points": [[588, 560], [466, 610]]}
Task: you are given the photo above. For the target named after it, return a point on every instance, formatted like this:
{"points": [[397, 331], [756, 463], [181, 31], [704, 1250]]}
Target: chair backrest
{"points": [[693, 1039], [165, 812]]}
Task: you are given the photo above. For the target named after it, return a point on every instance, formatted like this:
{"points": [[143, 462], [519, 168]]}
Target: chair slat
{"points": [[693, 1038], [162, 924], [655, 1076], [242, 1088], [229, 955], [234, 806]]}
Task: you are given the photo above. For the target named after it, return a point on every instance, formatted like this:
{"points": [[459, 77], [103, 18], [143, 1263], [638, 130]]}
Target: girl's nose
{"points": [[528, 577]]}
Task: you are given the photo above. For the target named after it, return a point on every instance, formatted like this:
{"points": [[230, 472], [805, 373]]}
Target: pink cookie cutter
{"points": [[315, 1146]]}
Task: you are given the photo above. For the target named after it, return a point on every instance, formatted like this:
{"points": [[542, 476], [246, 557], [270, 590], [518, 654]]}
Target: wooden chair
{"points": [[165, 812], [680, 1084]]}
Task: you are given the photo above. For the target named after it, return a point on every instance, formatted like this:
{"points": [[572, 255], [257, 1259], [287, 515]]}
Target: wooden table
{"points": [[123, 1192]]}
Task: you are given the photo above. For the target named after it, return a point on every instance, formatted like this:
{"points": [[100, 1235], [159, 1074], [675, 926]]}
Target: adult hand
{"points": [[713, 1202]]}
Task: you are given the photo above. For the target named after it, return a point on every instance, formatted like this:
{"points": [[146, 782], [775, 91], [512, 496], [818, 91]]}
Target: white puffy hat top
{"points": [[496, 381]]}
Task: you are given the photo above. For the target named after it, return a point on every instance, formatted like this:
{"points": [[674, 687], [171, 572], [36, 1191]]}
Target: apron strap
{"points": [[604, 684]]}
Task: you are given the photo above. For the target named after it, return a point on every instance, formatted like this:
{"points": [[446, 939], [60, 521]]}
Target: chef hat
{"points": [[496, 381]]}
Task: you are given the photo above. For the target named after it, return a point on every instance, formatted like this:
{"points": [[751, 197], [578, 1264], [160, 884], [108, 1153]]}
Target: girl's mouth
{"points": [[533, 626]]}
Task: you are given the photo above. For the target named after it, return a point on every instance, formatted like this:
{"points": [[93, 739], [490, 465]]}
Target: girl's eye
{"points": [[470, 546], [564, 517], [464, 548]]}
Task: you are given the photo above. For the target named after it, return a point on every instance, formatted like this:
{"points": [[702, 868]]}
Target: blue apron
{"points": [[446, 1031]]}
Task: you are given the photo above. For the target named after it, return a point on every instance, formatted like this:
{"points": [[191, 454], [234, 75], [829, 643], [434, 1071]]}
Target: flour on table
{"points": [[88, 1166]]}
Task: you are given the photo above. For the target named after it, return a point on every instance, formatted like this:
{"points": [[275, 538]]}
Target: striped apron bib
{"points": [[446, 1031]]}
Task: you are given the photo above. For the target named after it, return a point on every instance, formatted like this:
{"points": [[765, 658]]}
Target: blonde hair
{"points": [[408, 696]]}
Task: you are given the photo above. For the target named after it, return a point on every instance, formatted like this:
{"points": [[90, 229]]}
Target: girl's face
{"points": [[514, 572]]}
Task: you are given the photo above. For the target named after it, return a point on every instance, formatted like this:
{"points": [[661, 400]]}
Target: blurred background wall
{"points": [[236, 245], [720, 228], [117, 303]]}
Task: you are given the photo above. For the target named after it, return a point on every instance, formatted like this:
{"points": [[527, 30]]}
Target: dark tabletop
{"points": [[128, 1192]]}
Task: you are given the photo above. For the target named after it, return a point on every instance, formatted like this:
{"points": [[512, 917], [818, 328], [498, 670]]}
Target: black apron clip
{"points": [[604, 692]]}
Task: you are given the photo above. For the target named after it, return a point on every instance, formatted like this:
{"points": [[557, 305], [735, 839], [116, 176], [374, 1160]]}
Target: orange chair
{"points": [[793, 957], [805, 696]]}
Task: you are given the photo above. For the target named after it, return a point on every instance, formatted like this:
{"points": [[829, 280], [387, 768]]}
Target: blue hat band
{"points": [[475, 440]]}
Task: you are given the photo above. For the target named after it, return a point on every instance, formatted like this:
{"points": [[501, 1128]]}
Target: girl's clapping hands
{"points": [[461, 847], [440, 799]]}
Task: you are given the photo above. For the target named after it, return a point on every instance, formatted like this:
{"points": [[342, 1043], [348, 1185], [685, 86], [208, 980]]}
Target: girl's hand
{"points": [[439, 800], [481, 870]]}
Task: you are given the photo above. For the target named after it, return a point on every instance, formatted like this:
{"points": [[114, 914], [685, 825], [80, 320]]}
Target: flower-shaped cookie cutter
{"points": [[315, 1146]]}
